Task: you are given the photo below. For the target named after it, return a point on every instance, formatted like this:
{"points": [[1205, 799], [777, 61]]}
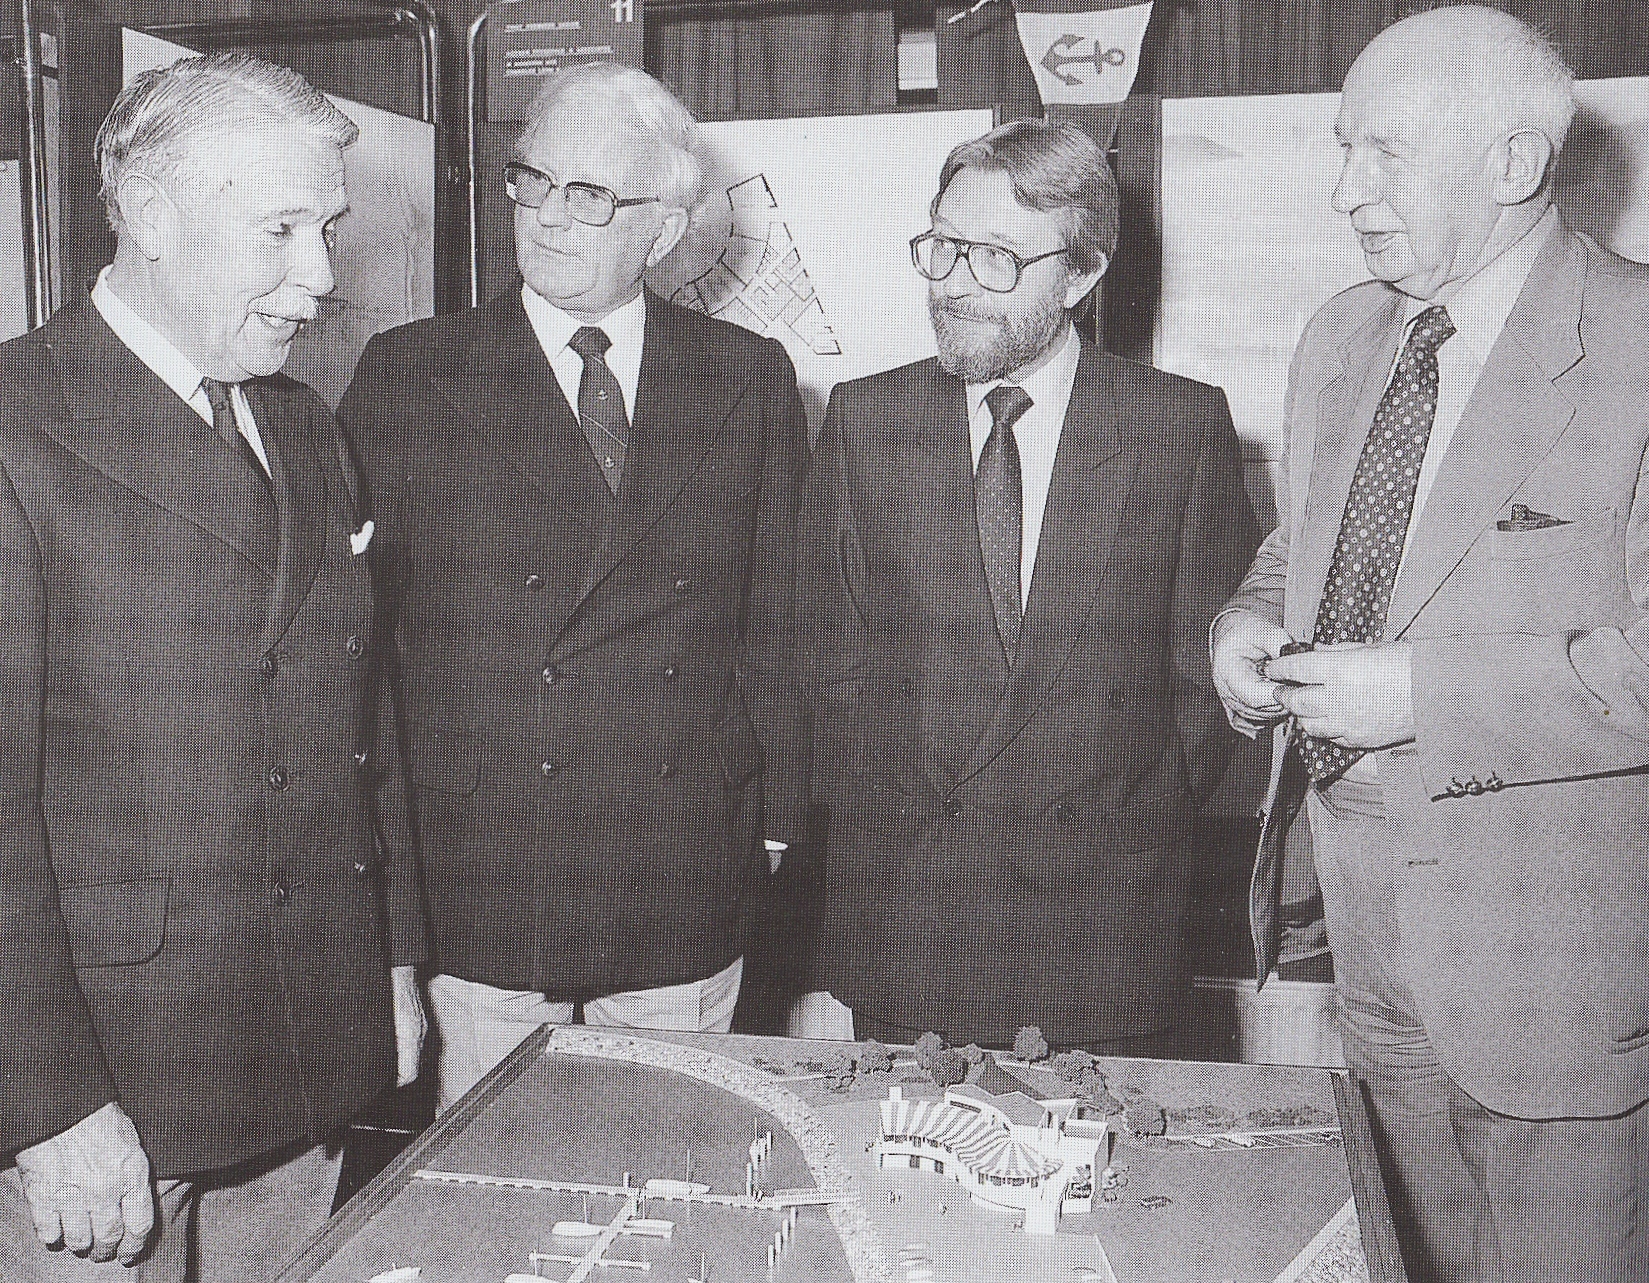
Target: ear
{"points": [[1518, 166], [1078, 287], [671, 229], [148, 213]]}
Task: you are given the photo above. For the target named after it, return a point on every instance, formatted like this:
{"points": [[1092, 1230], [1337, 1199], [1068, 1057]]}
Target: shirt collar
{"points": [[1484, 300], [625, 325], [148, 344], [1048, 386]]}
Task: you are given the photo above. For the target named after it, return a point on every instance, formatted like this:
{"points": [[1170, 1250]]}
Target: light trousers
{"points": [[479, 1024]]}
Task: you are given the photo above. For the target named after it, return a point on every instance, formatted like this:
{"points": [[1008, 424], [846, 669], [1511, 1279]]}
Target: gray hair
{"points": [[1497, 70], [158, 119], [1057, 168], [637, 104]]}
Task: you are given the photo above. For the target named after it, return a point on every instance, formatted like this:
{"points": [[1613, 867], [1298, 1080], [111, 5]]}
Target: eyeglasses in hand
{"points": [[995, 268], [587, 203]]}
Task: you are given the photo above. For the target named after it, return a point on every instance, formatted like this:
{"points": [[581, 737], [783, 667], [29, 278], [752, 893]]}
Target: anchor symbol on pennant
{"points": [[1059, 56]]}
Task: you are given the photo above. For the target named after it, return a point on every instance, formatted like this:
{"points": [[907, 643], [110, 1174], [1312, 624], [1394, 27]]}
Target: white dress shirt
{"points": [[174, 369], [1037, 434], [626, 326]]}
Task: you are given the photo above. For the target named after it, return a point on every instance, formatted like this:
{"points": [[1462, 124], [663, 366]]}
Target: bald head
{"points": [[1482, 70], [1449, 122]]}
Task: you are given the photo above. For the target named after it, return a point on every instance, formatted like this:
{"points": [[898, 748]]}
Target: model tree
{"points": [[950, 1067], [874, 1058], [927, 1049], [1029, 1045], [1071, 1065]]}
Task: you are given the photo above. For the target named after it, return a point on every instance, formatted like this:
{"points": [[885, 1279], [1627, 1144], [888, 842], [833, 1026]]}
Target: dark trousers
{"points": [[1476, 1196]]}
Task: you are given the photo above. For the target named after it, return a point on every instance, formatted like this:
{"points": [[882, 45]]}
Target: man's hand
{"points": [[1358, 695], [410, 1023], [88, 1188], [1241, 642]]}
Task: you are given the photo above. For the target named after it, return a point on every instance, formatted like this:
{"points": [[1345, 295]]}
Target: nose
{"points": [[960, 283], [553, 212], [312, 264], [1351, 189]]}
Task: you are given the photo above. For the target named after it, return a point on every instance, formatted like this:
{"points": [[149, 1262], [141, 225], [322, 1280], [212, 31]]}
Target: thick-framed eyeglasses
{"points": [[996, 269], [587, 203]]}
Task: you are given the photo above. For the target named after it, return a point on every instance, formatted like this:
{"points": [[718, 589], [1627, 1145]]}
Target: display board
{"points": [[804, 235], [14, 317], [384, 255], [1251, 247]]}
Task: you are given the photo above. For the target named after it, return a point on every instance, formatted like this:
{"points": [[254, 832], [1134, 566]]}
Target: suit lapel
{"points": [[1345, 414], [1087, 493], [1515, 415], [506, 395], [946, 530], [125, 422], [683, 399], [300, 498]]}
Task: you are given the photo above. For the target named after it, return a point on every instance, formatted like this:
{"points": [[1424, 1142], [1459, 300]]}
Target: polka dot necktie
{"points": [[1376, 522], [601, 404], [998, 502]]}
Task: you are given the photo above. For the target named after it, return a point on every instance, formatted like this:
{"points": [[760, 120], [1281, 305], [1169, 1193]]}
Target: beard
{"points": [[1019, 337]]}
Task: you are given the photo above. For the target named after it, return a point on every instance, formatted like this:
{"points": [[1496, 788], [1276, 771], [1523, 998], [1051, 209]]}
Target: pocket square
{"points": [[360, 539], [1526, 518]]}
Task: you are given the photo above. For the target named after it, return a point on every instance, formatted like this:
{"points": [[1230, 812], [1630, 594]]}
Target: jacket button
{"points": [[1064, 813], [548, 768], [666, 770], [269, 665], [277, 779], [1455, 788], [682, 585], [355, 647], [1494, 783], [360, 757], [282, 889], [1116, 697], [1474, 787], [535, 583], [552, 674], [953, 807], [669, 672], [362, 868]]}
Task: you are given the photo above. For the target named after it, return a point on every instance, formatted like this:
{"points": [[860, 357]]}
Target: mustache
{"points": [[957, 309]]}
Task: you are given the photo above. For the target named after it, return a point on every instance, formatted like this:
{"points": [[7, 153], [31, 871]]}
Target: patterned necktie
{"points": [[601, 404], [227, 426], [1376, 522], [998, 502]]}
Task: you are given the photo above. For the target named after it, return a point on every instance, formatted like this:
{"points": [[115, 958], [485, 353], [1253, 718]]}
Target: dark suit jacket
{"points": [[1008, 847], [192, 917], [1520, 807], [591, 686]]}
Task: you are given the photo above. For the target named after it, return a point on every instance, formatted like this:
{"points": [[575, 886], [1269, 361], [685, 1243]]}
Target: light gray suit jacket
{"points": [[1522, 805]]}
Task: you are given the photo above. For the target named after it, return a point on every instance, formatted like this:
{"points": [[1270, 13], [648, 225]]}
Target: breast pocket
{"points": [[1568, 576]]}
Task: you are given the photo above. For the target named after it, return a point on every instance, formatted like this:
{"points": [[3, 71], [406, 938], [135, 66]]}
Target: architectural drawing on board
{"points": [[759, 280]]}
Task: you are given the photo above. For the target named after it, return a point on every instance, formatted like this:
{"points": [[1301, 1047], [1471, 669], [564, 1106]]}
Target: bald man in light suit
{"points": [[1464, 539]]}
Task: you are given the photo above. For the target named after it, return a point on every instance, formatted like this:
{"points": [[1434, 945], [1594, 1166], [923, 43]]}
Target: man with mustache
{"points": [[1011, 554], [208, 911], [1463, 546]]}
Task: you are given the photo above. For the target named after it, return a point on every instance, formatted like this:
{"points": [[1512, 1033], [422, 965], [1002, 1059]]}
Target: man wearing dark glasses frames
{"points": [[586, 502], [1011, 554]]}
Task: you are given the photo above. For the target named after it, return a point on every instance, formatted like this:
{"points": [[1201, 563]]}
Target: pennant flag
{"points": [[1082, 51]]}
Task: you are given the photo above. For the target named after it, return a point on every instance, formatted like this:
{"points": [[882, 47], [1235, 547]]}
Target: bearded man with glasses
{"points": [[1010, 558], [585, 501]]}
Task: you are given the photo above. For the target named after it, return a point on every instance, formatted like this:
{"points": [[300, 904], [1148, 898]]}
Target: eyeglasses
{"points": [[586, 202], [996, 269]]}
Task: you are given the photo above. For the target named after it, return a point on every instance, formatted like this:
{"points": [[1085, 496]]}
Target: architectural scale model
{"points": [[1016, 1152]]}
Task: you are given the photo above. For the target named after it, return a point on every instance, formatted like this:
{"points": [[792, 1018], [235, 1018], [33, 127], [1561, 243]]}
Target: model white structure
{"points": [[1039, 1157]]}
